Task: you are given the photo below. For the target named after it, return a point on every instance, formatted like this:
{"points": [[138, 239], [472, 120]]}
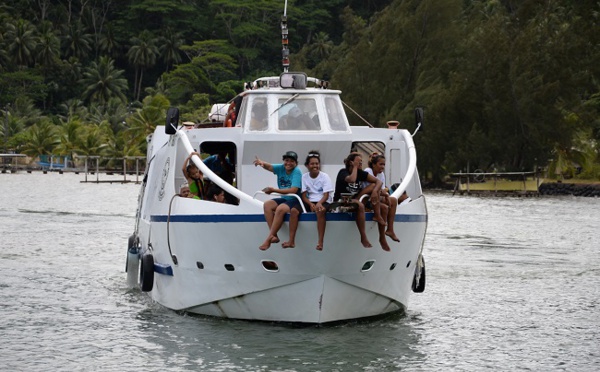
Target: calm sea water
{"points": [[512, 284]]}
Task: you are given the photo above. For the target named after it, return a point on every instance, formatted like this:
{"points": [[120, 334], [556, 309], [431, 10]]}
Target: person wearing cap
{"points": [[289, 182], [184, 192]]}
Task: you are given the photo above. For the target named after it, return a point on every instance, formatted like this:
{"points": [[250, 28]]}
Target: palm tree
{"points": [[142, 54], [40, 139], [108, 42], [73, 108], [322, 46], [48, 48], [103, 81], [170, 48], [68, 137], [77, 43], [93, 139], [21, 41], [144, 121]]}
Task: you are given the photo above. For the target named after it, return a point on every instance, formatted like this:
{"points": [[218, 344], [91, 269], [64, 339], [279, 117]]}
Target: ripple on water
{"points": [[510, 286]]}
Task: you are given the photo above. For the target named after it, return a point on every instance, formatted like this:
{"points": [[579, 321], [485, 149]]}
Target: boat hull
{"points": [[220, 271]]}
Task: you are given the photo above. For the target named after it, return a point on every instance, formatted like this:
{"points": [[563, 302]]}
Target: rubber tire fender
{"points": [[147, 272], [420, 288]]}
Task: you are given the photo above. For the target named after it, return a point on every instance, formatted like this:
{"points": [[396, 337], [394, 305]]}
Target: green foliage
{"points": [[103, 81], [506, 85]]}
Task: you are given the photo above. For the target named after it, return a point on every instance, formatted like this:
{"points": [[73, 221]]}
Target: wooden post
{"points": [[495, 183]]}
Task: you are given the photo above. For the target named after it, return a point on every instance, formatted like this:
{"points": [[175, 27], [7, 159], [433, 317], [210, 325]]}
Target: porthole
{"points": [[367, 265], [229, 267], [270, 266], [393, 266], [199, 265]]}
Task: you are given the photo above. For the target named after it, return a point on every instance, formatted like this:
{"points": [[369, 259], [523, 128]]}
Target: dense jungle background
{"points": [[507, 85]]}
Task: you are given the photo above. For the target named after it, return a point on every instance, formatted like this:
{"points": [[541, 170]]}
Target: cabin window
{"points": [[221, 158], [298, 114], [259, 115], [335, 114]]}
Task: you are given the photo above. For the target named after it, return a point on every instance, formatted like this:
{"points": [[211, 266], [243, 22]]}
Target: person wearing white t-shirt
{"points": [[317, 194]]}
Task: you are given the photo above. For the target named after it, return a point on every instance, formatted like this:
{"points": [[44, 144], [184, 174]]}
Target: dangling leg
{"points": [[269, 208], [321, 221], [360, 223], [393, 202], [294, 216], [280, 213], [381, 229]]}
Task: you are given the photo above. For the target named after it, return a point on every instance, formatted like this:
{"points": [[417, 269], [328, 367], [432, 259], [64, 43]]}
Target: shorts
{"points": [[292, 203], [307, 207]]}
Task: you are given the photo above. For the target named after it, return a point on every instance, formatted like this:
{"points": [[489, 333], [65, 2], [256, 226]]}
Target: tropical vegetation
{"points": [[506, 84]]}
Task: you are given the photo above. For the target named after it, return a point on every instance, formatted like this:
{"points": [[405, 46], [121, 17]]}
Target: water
{"points": [[512, 284]]}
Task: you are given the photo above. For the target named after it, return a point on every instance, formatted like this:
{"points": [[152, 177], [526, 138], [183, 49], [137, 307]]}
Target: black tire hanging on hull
{"points": [[147, 273], [420, 287]]}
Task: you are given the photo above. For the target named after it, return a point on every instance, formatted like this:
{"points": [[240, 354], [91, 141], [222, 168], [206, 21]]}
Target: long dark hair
{"points": [[348, 161], [213, 190], [374, 159]]}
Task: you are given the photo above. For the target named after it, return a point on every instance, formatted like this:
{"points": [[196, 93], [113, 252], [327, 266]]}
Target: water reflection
{"points": [[209, 343]]}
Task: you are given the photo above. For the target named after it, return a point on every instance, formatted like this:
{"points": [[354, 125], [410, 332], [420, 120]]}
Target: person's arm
{"points": [[376, 189], [185, 165], [319, 206], [305, 199], [351, 178], [263, 164]]}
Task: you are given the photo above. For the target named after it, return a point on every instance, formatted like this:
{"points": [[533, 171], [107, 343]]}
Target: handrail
{"points": [[276, 193], [412, 165], [212, 176]]}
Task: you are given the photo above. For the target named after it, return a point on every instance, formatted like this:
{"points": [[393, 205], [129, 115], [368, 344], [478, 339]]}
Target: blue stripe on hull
{"points": [[236, 218]]}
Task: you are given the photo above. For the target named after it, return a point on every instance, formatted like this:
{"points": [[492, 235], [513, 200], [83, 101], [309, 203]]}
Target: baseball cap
{"points": [[291, 155]]}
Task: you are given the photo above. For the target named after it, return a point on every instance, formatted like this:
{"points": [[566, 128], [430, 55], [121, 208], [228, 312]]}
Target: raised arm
{"points": [[263, 164]]}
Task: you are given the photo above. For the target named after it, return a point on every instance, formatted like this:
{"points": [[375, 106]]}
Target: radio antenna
{"points": [[285, 52]]}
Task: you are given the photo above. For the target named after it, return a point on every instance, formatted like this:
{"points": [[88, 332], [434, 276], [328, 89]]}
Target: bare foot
{"points": [[392, 236], [275, 239], [366, 243], [384, 245], [288, 245], [267, 243], [379, 220], [319, 247]]}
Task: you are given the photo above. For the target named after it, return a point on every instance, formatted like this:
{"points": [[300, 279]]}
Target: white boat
{"points": [[203, 257]]}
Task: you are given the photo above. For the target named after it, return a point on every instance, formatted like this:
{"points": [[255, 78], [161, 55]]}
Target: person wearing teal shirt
{"points": [[289, 182]]}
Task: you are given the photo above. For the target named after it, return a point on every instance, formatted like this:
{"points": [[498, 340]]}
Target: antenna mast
{"points": [[285, 52]]}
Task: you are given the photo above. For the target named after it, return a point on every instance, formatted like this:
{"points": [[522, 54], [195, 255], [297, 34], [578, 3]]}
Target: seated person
{"points": [[295, 119], [258, 121], [215, 194], [184, 192], [348, 181], [289, 181]]}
